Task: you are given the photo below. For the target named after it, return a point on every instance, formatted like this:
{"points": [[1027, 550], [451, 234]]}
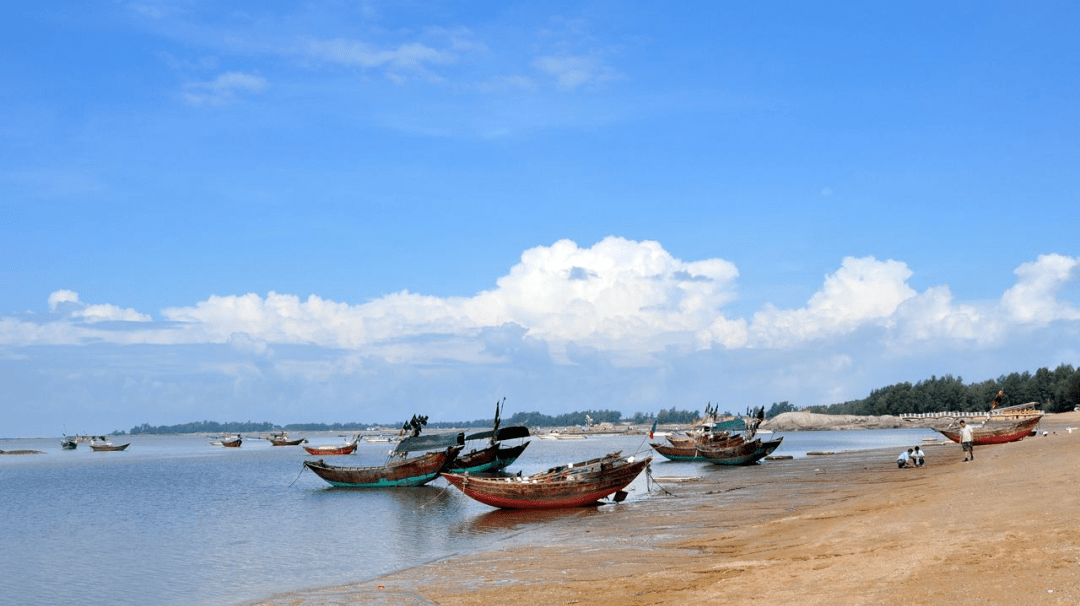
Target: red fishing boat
{"points": [[996, 430], [340, 449], [574, 485]]}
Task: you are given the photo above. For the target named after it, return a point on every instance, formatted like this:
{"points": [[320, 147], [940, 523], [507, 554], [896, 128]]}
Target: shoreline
{"points": [[845, 528]]}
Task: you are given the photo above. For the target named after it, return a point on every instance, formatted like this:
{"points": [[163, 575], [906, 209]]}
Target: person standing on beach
{"points": [[966, 438]]}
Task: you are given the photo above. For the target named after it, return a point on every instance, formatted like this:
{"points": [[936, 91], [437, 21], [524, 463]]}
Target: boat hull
{"points": [[578, 485], [331, 450], [1010, 432], [416, 471], [687, 450], [747, 453], [109, 447], [489, 460]]}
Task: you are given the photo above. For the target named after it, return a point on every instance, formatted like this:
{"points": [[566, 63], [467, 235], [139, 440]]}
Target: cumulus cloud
{"points": [[1035, 299], [863, 291], [629, 302], [224, 89]]}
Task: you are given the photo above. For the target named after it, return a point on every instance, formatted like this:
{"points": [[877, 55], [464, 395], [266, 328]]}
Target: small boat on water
{"points": [[495, 456], [283, 439], [746, 453], [347, 448], [228, 441], [573, 485], [69, 443], [102, 444], [995, 431], [399, 469]]}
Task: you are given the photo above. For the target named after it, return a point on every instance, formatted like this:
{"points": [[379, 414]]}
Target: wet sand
{"points": [[839, 529]]}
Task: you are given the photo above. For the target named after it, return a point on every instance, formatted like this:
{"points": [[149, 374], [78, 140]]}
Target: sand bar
{"points": [[846, 528]]}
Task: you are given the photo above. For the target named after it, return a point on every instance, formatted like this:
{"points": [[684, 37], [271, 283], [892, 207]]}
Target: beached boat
{"points": [[688, 449], [104, 445], [339, 449], [746, 453], [996, 430], [574, 485], [399, 469], [283, 439]]}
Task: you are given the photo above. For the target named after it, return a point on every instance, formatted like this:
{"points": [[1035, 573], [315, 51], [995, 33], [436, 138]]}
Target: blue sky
{"points": [[304, 212]]}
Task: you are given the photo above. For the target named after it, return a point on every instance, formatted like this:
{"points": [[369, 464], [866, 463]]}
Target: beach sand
{"points": [[847, 529]]}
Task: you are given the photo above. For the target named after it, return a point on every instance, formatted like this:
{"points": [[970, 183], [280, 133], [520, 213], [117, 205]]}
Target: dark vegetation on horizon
{"points": [[1056, 391]]}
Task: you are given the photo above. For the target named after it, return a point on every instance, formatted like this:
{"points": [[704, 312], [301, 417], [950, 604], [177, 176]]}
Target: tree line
{"points": [[1055, 390]]}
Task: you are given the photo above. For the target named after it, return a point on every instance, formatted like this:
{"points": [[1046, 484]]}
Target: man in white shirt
{"points": [[966, 438], [904, 460]]}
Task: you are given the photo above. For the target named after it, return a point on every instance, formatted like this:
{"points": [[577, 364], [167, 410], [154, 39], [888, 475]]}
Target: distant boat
{"points": [[340, 449], [101, 444], [399, 470], [283, 439], [69, 443], [229, 442], [995, 431], [574, 485]]}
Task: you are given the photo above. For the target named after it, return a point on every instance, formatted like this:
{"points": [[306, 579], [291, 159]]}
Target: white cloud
{"points": [[1035, 297], [863, 291], [223, 89], [571, 72], [630, 302]]}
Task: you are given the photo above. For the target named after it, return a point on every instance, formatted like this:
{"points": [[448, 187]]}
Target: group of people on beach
{"points": [[912, 457], [915, 457]]}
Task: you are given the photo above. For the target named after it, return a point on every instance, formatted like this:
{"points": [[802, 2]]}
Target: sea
{"points": [[177, 520]]}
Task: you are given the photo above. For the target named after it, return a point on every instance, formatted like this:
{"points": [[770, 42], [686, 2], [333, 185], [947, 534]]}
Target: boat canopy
{"points": [[505, 433], [430, 442]]}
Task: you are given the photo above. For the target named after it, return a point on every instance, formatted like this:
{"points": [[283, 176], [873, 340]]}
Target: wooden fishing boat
{"points": [[415, 471], [690, 450], [228, 442], [996, 430], [339, 449], [574, 485], [106, 446], [495, 456], [746, 453], [69, 443], [283, 439]]}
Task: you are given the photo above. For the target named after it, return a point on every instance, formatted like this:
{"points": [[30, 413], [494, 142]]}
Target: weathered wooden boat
{"points": [[996, 430], [398, 471], [339, 449], [688, 449], [574, 485], [495, 456], [746, 453], [283, 439], [107, 446], [228, 442]]}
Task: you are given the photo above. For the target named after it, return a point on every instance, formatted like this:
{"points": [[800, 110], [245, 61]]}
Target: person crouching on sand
{"points": [[917, 456], [904, 460]]}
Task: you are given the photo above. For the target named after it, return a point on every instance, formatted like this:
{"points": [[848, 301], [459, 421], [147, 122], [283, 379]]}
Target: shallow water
{"points": [[174, 520]]}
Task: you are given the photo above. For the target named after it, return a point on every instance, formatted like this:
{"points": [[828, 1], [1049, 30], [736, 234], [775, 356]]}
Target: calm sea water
{"points": [[175, 520]]}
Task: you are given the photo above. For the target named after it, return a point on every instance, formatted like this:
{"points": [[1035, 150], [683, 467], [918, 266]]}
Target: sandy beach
{"points": [[839, 529]]}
